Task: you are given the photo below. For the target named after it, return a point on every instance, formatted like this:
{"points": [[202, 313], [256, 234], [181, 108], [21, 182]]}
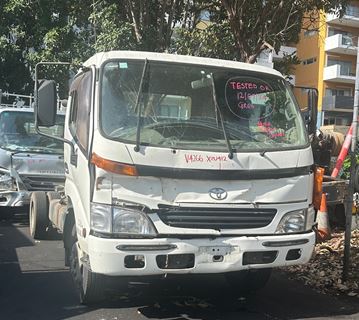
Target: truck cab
{"points": [[28, 162], [181, 165]]}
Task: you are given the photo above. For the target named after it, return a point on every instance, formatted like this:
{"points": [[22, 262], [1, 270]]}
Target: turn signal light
{"points": [[318, 187], [113, 166]]}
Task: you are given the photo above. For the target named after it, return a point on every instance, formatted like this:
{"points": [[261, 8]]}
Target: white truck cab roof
{"points": [[100, 58]]}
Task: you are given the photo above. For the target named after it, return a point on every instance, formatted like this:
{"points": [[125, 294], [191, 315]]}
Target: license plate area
{"points": [[216, 253]]}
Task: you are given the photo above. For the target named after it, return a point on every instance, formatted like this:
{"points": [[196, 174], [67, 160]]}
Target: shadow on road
{"points": [[35, 285], [210, 297], [32, 287]]}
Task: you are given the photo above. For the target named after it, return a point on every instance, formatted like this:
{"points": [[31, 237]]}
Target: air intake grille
{"points": [[43, 183], [217, 218]]}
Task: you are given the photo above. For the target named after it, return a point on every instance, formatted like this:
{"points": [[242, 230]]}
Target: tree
{"points": [[34, 31], [138, 24], [256, 25], [72, 30]]}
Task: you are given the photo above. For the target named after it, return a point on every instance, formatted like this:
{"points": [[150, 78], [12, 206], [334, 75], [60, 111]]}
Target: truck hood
{"points": [[188, 178]]}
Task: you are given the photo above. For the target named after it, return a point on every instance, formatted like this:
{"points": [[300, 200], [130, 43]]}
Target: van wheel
{"points": [[248, 281], [38, 215], [89, 285]]}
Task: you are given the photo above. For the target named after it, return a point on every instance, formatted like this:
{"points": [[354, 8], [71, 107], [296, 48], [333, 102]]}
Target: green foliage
{"points": [[345, 172], [213, 42], [287, 65], [72, 30], [112, 32]]}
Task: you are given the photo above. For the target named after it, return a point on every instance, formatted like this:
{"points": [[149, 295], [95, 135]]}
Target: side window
{"points": [[73, 114], [80, 109]]}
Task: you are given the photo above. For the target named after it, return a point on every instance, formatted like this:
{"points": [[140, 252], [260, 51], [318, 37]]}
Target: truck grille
{"points": [[217, 218], [43, 183]]}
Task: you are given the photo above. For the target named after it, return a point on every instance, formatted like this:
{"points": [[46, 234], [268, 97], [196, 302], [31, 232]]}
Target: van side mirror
{"points": [[46, 104], [312, 110], [307, 98]]}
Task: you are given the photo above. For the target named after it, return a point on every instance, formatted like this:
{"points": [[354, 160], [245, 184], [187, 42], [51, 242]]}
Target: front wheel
{"points": [[89, 285], [38, 215], [248, 281]]}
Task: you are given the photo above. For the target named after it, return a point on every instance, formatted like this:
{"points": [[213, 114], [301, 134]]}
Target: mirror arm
{"points": [[73, 151]]}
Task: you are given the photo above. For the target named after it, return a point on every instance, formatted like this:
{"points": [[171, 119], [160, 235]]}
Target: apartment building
{"points": [[328, 54]]}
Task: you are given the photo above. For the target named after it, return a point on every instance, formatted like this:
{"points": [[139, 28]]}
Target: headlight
{"points": [[6, 181], [100, 218], [117, 220], [296, 221], [131, 222]]}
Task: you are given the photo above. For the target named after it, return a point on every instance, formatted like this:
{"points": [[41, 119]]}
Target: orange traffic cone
{"points": [[323, 232]]}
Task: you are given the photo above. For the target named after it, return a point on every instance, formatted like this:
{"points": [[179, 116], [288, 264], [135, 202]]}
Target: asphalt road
{"points": [[34, 284]]}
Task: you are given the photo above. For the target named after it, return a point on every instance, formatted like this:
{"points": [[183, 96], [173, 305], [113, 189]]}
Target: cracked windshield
{"points": [[17, 133], [177, 104]]}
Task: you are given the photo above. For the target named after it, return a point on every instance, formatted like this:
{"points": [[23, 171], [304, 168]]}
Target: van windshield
{"points": [[178, 110], [17, 133]]}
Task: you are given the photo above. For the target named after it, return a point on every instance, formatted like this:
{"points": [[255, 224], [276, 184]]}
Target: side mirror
{"points": [[307, 98], [312, 110], [46, 104]]}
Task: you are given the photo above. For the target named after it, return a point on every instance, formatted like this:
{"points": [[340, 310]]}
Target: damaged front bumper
{"points": [[131, 257], [10, 198]]}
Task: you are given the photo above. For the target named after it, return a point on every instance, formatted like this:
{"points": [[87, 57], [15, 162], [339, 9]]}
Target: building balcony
{"points": [[338, 103], [350, 18], [336, 73], [341, 44]]}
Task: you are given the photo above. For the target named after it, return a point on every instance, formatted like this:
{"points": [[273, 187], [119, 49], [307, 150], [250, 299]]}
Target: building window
{"points": [[336, 120], [310, 33], [329, 121], [338, 92], [310, 61]]}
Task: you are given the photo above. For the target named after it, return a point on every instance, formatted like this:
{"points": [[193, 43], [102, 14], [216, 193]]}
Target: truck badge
{"points": [[218, 193]]}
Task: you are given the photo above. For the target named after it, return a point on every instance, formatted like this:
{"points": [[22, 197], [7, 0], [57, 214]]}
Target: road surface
{"points": [[34, 284]]}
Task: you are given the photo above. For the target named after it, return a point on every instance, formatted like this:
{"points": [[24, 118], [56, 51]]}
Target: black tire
{"points": [[39, 215], [90, 285], [356, 179], [248, 281]]}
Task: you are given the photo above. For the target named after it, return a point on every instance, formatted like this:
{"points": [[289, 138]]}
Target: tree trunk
{"points": [[135, 21]]}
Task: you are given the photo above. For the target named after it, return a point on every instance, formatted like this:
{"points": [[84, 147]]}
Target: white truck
{"points": [[178, 165], [28, 162]]}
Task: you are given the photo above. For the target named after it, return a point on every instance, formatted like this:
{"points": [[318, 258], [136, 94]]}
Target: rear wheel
{"points": [[38, 215], [89, 285], [248, 281]]}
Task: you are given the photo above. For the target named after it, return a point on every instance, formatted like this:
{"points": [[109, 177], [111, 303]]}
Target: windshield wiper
{"points": [[230, 150], [138, 105]]}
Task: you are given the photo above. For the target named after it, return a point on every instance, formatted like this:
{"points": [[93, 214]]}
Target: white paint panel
{"points": [[151, 191], [190, 159], [102, 57]]}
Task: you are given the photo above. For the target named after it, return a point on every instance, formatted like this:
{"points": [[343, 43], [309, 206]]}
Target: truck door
{"points": [[78, 130]]}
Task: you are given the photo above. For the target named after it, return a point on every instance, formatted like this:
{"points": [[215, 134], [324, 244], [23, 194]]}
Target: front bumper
{"points": [[219, 255], [14, 198]]}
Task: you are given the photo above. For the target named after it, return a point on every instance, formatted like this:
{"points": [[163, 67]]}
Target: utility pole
{"points": [[349, 200]]}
